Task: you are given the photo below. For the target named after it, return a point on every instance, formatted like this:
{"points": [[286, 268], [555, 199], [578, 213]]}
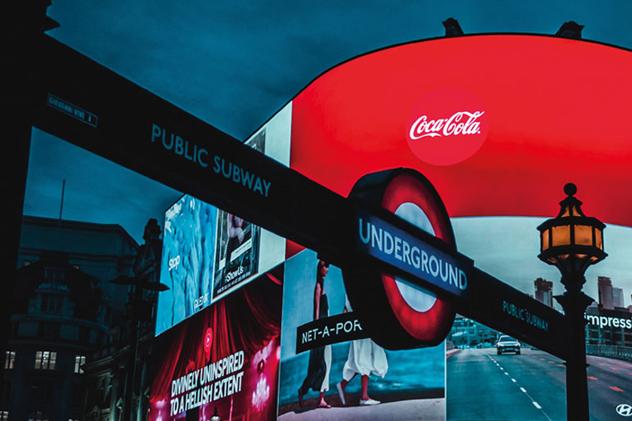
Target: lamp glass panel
{"points": [[561, 235], [598, 238], [544, 235], [583, 235]]}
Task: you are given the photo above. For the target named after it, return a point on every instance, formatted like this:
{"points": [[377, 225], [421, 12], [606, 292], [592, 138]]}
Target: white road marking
{"points": [[522, 389], [537, 405]]}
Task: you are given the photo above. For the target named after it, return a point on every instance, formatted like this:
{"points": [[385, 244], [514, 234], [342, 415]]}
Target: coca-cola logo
{"points": [[447, 126], [461, 122]]}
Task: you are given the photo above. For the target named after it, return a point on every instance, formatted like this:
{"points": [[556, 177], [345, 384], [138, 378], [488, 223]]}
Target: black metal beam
{"points": [[96, 109], [508, 310]]}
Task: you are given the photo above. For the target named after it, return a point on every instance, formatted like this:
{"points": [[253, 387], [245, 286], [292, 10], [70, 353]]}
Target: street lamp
{"points": [[140, 311], [571, 242]]}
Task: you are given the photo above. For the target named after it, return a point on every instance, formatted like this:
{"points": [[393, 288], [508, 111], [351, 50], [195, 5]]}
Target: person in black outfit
{"points": [[319, 365]]}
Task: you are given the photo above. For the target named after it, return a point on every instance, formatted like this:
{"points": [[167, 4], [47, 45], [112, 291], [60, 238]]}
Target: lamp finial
{"points": [[570, 189]]}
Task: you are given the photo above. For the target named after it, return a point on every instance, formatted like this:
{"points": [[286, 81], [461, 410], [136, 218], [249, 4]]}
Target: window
{"points": [[45, 360], [80, 360], [9, 361], [51, 303], [54, 275]]}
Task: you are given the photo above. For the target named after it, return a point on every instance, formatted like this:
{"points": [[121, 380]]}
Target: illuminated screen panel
{"points": [[554, 111], [237, 243], [188, 251], [406, 384], [507, 247], [223, 360], [209, 253]]}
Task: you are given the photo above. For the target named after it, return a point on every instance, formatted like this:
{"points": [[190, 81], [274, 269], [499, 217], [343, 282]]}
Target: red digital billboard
{"points": [[224, 360], [548, 109]]}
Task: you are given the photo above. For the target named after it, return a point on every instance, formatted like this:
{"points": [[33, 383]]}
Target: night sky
{"points": [[234, 65]]}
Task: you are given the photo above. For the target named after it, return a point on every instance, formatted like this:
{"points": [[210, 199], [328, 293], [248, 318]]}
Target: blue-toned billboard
{"points": [[187, 261], [209, 253]]}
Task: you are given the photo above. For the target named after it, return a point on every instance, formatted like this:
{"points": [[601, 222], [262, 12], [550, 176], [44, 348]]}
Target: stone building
{"points": [[63, 306]]}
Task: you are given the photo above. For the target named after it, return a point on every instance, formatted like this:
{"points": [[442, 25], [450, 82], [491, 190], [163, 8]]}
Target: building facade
{"points": [[544, 291], [605, 292], [58, 319], [103, 251], [617, 298], [62, 310]]}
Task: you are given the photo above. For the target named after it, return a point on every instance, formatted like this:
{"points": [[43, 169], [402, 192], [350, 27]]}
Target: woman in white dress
{"points": [[365, 358]]}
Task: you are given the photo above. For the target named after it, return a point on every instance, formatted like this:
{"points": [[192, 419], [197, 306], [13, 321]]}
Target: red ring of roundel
{"points": [[428, 325]]}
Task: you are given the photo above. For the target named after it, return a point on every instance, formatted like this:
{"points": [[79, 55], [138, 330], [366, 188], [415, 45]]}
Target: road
{"points": [[529, 387]]}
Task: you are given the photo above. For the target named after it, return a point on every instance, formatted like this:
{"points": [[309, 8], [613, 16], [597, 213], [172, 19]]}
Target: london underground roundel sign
{"points": [[397, 314]]}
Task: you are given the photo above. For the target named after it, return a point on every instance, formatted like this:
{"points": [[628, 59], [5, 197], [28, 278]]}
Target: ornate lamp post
{"points": [[140, 311], [573, 241], [146, 273]]}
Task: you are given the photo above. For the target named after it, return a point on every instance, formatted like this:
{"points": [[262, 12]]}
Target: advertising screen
{"points": [[187, 261], [237, 243], [223, 360], [507, 246], [347, 379], [209, 253]]}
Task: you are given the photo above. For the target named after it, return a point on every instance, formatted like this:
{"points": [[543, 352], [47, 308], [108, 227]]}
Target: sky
{"points": [[96, 190], [234, 64]]}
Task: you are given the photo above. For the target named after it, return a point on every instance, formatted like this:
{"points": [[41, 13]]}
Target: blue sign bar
{"points": [[390, 244]]}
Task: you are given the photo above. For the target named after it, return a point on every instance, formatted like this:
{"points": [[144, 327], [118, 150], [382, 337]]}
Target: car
{"points": [[507, 344]]}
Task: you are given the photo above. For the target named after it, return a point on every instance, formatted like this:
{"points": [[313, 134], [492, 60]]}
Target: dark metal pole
{"points": [[575, 302], [133, 353], [21, 92]]}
